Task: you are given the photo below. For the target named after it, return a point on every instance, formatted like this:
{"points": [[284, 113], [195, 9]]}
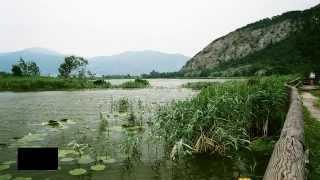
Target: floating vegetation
{"points": [[77, 172], [8, 162], [4, 167], [85, 159], [68, 159], [98, 167], [5, 177], [64, 152], [58, 123], [54, 123]]}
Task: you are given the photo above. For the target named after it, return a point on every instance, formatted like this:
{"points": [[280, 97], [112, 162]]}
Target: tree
{"points": [[23, 68], [33, 69], [71, 63], [16, 70]]}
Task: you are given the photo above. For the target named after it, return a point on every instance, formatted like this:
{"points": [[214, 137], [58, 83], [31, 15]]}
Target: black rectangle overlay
{"points": [[37, 158]]}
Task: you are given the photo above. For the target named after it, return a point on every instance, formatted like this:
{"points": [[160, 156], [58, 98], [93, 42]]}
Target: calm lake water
{"points": [[94, 122]]}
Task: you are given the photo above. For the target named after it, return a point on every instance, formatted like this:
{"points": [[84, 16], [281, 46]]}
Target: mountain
{"points": [[47, 60], [132, 62], [284, 44], [137, 62]]}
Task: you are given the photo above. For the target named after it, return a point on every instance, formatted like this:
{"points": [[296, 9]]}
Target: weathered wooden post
{"points": [[288, 158]]}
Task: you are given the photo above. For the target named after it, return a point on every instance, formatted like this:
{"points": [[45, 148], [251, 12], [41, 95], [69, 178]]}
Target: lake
{"points": [[90, 120]]}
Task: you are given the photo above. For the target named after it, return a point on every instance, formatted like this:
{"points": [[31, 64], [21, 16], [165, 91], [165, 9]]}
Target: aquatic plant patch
{"points": [[223, 118], [77, 172], [98, 167]]}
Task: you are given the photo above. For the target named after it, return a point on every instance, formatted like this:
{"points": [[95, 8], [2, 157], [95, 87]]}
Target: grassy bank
{"points": [[199, 85], [12, 83], [137, 83], [225, 117], [312, 139]]}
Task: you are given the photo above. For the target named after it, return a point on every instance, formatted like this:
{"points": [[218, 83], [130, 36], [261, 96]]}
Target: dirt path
{"points": [[309, 101]]}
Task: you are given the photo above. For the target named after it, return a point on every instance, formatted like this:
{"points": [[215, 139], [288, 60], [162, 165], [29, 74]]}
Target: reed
{"points": [[225, 117]]}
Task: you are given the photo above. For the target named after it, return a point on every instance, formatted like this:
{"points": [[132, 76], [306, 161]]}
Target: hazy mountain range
{"points": [[131, 62]]}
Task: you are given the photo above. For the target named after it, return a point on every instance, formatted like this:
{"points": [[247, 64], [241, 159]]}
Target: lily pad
{"points": [[4, 167], [98, 167], [5, 177], [65, 152], [86, 159], [68, 159], [77, 172], [109, 161], [22, 178], [8, 162]]}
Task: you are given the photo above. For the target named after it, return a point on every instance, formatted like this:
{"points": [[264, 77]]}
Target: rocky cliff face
{"points": [[240, 43]]}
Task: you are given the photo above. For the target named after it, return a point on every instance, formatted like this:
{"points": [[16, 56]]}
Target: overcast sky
{"points": [[105, 27]]}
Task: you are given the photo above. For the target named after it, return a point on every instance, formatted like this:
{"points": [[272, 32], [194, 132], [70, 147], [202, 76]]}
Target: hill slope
{"points": [[135, 62], [284, 44]]}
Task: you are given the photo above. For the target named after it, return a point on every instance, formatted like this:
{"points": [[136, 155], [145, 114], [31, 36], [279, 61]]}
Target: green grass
{"points": [[226, 117], [12, 83], [312, 139]]}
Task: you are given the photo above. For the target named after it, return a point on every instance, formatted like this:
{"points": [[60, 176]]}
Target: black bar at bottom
{"points": [[37, 158]]}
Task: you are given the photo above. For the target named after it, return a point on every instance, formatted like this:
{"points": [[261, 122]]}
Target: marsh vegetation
{"points": [[120, 133], [225, 118]]}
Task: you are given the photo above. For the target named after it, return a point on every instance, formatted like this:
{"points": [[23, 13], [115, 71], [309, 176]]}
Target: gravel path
{"points": [[309, 101]]}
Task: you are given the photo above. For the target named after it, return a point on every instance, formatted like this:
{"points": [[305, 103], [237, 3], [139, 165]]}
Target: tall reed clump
{"points": [[225, 117], [137, 83]]}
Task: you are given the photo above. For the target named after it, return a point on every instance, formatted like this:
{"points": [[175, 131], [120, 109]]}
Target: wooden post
{"points": [[288, 158]]}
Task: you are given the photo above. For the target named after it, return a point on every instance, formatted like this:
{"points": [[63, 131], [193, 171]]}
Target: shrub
{"points": [[225, 117], [137, 83]]}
